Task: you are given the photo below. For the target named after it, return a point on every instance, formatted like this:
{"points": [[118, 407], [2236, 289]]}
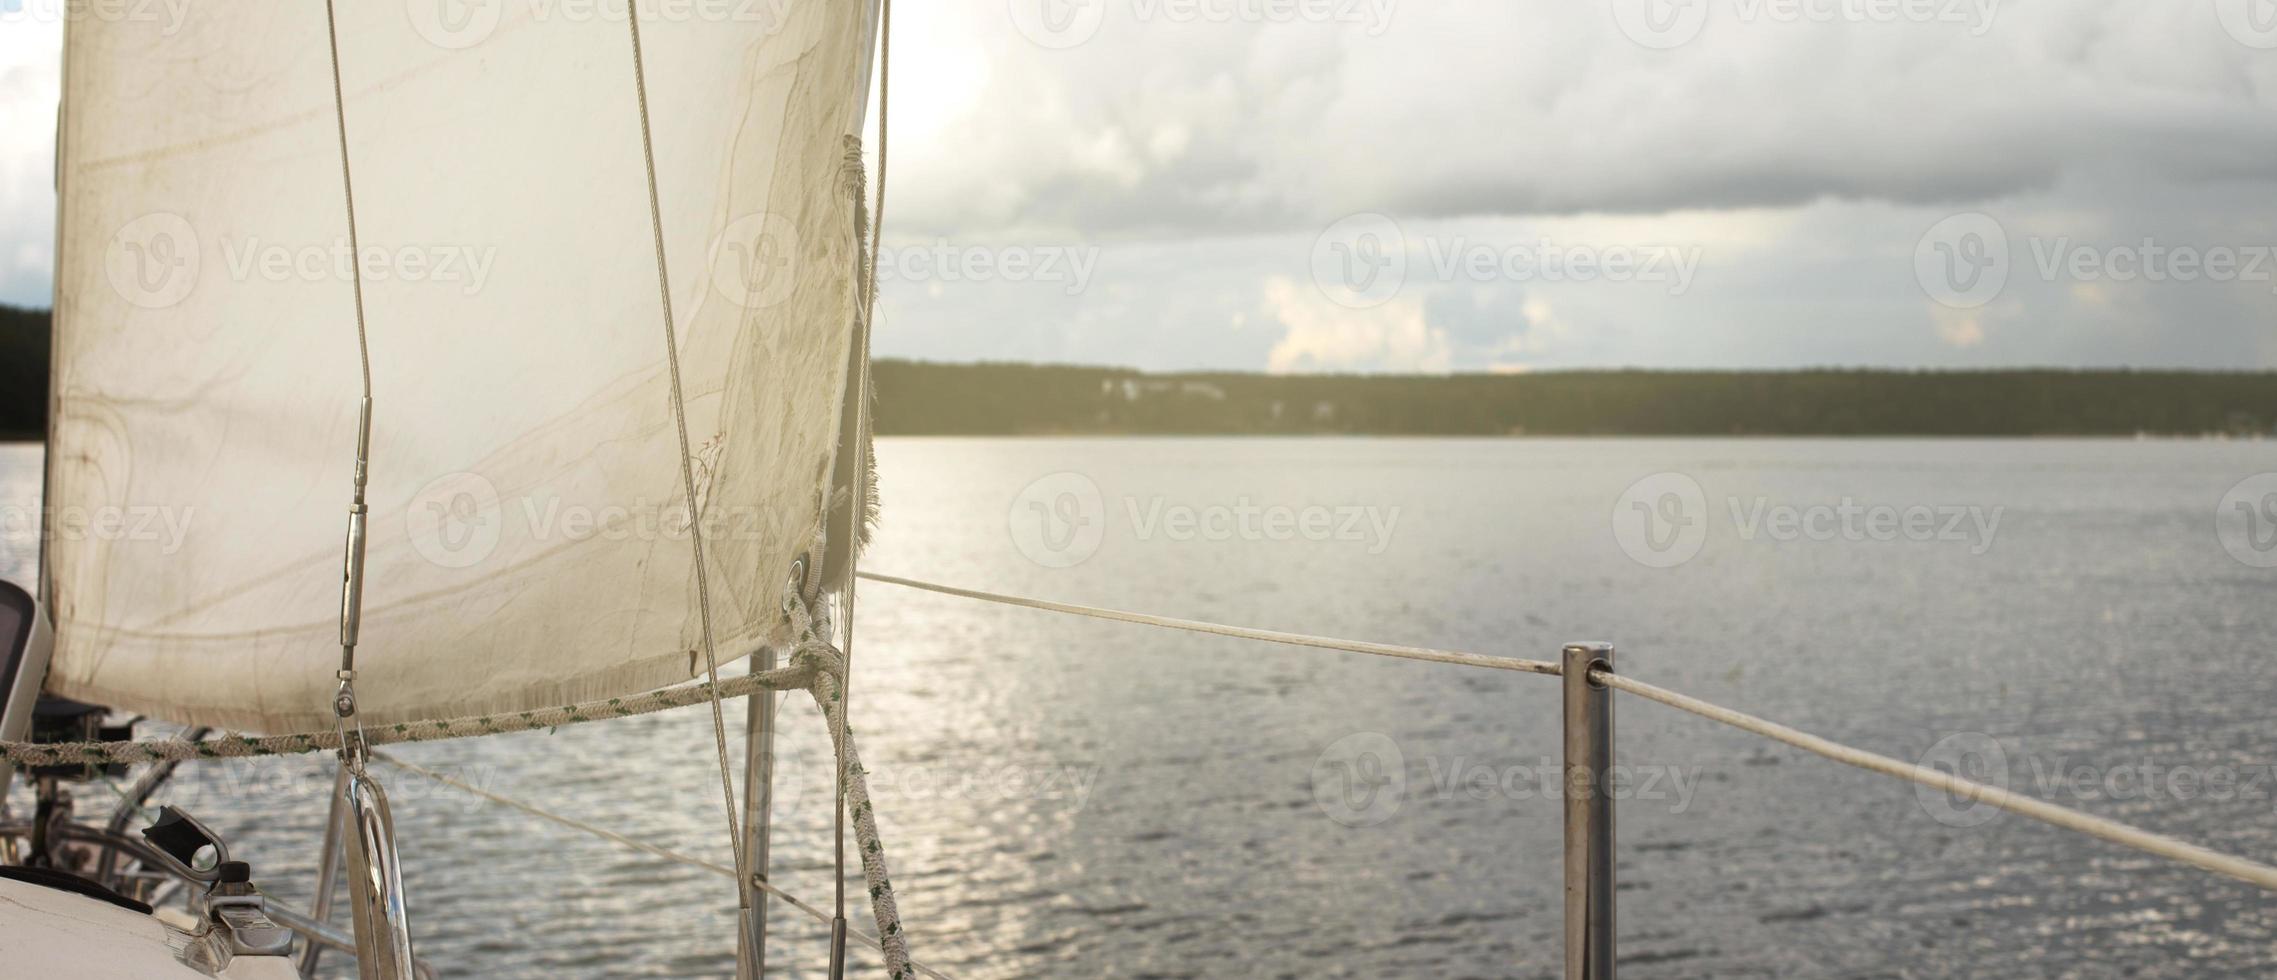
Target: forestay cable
{"points": [[2041, 810]]}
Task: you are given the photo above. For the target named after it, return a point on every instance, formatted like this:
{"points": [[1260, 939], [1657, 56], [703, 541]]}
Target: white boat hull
{"points": [[56, 935]]}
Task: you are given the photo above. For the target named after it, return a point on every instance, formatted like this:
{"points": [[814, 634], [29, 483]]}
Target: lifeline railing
{"points": [[1587, 673]]}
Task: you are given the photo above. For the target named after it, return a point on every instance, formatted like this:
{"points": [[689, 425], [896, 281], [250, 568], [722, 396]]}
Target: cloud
{"points": [[1804, 161], [1157, 126], [1958, 328], [30, 82], [1322, 335]]}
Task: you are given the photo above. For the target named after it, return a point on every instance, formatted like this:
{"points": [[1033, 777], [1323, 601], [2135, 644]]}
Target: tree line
{"points": [[920, 398], [1008, 399]]}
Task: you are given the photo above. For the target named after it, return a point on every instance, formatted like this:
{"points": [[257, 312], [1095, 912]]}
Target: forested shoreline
{"points": [[920, 398]]}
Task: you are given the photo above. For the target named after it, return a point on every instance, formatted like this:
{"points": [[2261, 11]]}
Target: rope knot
{"points": [[817, 660]]}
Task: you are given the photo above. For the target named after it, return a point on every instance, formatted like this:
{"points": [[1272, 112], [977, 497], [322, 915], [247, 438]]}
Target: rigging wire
{"points": [[2254, 872], [344, 704], [1238, 632], [857, 511], [352, 583], [687, 467], [348, 183]]}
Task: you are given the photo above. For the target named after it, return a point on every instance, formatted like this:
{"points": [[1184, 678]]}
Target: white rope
{"points": [[1238, 632], [2041, 810], [639, 845]]}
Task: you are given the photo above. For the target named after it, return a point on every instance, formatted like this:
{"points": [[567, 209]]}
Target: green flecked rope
{"points": [[830, 697], [797, 676]]}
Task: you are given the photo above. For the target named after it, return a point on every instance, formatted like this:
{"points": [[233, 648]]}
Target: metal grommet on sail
{"points": [[794, 590]]}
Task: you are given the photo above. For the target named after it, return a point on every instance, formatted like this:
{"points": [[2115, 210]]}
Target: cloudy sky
{"points": [[1510, 185]]}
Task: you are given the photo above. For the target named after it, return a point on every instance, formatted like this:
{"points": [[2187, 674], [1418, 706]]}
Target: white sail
{"points": [[529, 539]]}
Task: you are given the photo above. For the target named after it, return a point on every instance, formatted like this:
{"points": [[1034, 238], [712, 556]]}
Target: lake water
{"points": [[2089, 620]]}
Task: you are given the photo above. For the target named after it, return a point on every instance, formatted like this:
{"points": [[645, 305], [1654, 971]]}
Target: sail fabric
{"points": [[530, 539]]}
